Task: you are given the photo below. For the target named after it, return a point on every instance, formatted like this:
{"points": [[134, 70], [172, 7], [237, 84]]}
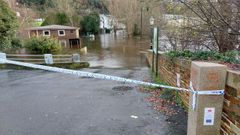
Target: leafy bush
{"points": [[184, 54], [16, 43], [229, 57], [42, 45]]}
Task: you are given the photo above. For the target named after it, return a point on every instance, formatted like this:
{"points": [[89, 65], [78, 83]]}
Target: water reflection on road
{"points": [[113, 52]]}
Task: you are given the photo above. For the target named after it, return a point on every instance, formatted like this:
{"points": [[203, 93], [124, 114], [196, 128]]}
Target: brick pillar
{"points": [[205, 119]]}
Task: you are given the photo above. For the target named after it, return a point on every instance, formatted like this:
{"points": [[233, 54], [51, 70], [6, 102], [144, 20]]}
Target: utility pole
{"points": [[141, 21]]}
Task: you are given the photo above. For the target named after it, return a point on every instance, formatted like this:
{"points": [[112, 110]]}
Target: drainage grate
{"points": [[122, 88]]}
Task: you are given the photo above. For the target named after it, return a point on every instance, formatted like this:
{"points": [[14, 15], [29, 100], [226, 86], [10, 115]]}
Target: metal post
{"points": [[155, 50], [3, 57], [152, 40], [141, 21], [157, 55], [153, 57], [48, 59]]}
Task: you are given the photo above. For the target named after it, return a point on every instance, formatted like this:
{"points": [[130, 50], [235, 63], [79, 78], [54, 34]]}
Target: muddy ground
{"points": [[45, 103]]}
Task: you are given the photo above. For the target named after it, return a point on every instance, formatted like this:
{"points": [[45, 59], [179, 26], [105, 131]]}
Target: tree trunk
{"points": [[226, 43]]}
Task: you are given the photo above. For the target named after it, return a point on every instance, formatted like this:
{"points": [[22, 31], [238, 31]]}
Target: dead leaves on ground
{"points": [[159, 104]]}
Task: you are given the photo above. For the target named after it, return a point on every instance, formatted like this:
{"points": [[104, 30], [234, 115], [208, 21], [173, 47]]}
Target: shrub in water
{"points": [[136, 30], [42, 45]]}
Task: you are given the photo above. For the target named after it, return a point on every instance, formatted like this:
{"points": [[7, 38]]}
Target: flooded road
{"points": [[112, 52], [36, 102]]}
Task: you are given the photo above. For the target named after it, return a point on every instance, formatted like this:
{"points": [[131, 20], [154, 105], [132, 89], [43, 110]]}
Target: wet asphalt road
{"points": [[45, 103]]}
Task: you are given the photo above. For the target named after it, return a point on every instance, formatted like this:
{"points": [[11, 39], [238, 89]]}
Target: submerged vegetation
{"points": [[42, 45]]}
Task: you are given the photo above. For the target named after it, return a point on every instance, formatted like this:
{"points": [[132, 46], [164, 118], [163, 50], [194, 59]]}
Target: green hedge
{"points": [[42, 45], [229, 57]]}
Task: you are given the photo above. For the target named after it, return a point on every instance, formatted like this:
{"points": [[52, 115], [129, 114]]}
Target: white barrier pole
{"points": [[4, 57]]}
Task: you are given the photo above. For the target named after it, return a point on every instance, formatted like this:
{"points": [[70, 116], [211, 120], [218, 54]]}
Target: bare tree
{"points": [[135, 12], [124, 11], [220, 18]]}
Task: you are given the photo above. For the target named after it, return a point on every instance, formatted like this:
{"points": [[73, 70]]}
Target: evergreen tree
{"points": [[8, 25], [90, 23]]}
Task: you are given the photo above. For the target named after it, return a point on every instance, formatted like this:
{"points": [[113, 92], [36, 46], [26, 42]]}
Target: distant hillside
{"points": [[41, 5], [25, 14], [100, 6], [28, 10]]}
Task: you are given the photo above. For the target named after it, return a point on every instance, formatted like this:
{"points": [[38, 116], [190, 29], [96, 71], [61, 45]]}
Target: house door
{"points": [[74, 43]]}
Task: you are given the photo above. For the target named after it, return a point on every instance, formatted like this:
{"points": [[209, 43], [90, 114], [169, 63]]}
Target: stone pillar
{"points": [[76, 58], [3, 56], [205, 119]]}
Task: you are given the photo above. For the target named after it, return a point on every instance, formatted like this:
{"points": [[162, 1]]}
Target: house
{"points": [[66, 35], [110, 24], [106, 23]]}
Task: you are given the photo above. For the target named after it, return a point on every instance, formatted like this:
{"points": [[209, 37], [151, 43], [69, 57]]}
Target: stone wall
{"points": [[168, 70]]}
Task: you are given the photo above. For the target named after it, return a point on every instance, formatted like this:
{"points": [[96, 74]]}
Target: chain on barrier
{"points": [[3, 59]]}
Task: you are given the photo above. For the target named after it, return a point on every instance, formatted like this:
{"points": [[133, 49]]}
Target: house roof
{"points": [[54, 27]]}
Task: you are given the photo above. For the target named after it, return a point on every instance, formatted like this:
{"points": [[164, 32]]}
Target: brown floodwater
{"points": [[112, 52], [108, 51]]}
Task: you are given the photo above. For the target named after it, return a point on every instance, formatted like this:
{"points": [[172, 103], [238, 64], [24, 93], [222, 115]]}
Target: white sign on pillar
{"points": [[209, 116]]}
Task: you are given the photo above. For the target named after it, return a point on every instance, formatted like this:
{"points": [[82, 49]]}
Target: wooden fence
{"points": [[168, 70], [45, 58]]}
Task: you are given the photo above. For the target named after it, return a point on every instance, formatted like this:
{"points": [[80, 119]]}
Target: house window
{"points": [[46, 33], [63, 43], [61, 33]]}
